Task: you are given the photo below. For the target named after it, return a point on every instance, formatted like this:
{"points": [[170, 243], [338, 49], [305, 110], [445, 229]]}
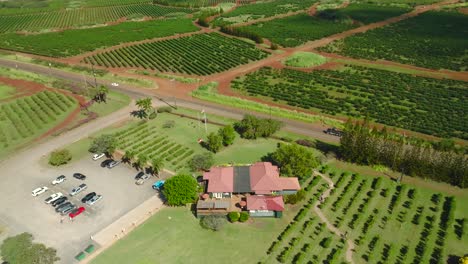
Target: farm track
{"points": [[330, 226]]}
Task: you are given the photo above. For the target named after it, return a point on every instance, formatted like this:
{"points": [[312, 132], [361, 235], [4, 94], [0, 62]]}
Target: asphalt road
{"points": [[306, 129]]}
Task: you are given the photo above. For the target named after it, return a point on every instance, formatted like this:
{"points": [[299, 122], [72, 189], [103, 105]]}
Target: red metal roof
{"points": [[264, 178], [271, 203], [220, 179], [289, 183]]}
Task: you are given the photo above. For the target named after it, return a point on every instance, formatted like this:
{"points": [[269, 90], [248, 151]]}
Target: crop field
{"points": [[435, 40], [296, 30], [198, 3], [307, 238], [426, 105], [142, 140], [81, 17], [262, 9], [200, 54], [387, 222], [76, 41], [24, 118]]}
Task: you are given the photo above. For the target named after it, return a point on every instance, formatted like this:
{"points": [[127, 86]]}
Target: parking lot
{"points": [[22, 212]]}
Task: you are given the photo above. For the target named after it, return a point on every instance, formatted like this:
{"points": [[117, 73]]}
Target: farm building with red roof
{"points": [[257, 188]]}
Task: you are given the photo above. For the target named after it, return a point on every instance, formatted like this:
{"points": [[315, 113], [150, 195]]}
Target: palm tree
{"points": [[144, 106], [102, 93], [142, 160], [157, 165], [129, 155]]}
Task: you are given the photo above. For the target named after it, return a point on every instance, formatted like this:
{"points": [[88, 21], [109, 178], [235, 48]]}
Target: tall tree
{"points": [[157, 165], [142, 160], [180, 190], [214, 142], [294, 160], [104, 144], [129, 155], [228, 134], [20, 249], [145, 107]]}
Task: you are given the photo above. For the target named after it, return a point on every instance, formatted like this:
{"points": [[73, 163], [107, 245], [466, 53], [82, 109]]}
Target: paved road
{"points": [[311, 130]]}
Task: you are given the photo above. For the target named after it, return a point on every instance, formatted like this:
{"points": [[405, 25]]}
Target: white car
{"points": [[53, 197], [114, 84], [98, 156], [142, 179], [39, 191], [94, 200], [59, 179]]}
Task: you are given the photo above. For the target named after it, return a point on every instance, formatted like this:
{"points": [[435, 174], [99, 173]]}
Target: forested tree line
{"points": [[239, 32], [442, 162]]}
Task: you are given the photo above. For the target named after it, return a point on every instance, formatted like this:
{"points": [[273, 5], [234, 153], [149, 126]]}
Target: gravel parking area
{"points": [[22, 212]]}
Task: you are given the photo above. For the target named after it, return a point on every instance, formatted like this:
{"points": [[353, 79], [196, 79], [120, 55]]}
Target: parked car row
{"points": [[110, 163], [61, 203]]}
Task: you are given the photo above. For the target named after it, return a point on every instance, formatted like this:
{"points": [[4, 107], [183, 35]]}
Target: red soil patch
{"points": [[463, 10], [23, 88]]}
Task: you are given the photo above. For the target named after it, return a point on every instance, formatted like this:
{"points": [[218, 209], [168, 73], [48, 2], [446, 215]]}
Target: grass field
{"points": [[358, 92], [74, 42], [26, 118], [261, 10], [304, 59], [200, 54], [174, 235], [435, 40], [6, 91]]}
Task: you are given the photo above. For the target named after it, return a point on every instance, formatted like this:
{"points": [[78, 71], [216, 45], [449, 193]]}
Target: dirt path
{"points": [[330, 226]]}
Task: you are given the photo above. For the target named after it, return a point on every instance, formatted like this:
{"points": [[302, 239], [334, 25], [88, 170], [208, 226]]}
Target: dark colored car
{"points": [[62, 206], [79, 176], [113, 164], [139, 175], [67, 209], [59, 201], [88, 197], [106, 162]]}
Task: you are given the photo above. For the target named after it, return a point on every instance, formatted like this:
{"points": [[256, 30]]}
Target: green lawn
{"points": [[304, 59], [174, 235], [6, 91], [245, 151], [115, 101]]}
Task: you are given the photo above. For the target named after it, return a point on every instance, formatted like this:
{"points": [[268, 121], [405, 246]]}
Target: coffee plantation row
{"points": [[200, 54], [76, 41], [436, 39], [151, 142], [81, 17], [387, 222], [431, 106], [27, 117], [261, 10], [296, 30], [199, 3]]}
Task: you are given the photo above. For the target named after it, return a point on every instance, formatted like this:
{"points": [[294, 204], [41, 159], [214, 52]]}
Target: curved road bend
{"points": [[311, 130]]}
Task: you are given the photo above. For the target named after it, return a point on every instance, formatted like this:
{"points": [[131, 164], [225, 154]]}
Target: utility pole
{"points": [[50, 69], [94, 74]]}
